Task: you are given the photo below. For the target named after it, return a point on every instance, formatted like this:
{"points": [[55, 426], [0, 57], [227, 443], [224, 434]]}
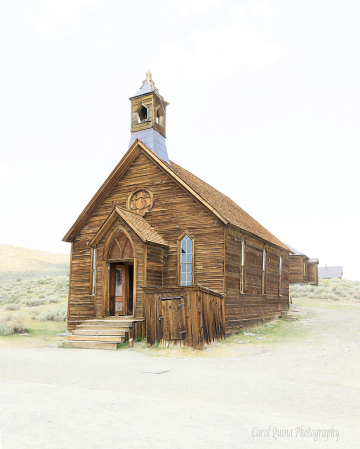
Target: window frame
{"points": [[161, 122], [263, 277], [280, 274], [242, 267], [92, 285], [138, 111], [192, 258]]}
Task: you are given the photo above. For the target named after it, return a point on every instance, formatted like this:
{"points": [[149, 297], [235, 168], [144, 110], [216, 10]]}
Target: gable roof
{"points": [[330, 272], [295, 251], [314, 260], [219, 204], [140, 226], [233, 213]]}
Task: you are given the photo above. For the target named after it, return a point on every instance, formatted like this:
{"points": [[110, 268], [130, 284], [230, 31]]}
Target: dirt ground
{"points": [[263, 394]]}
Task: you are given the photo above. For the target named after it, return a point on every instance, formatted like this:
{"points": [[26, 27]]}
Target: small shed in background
{"points": [[330, 272], [302, 269]]}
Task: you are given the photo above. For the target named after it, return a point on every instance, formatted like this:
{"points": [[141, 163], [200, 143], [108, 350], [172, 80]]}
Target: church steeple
{"points": [[148, 118]]}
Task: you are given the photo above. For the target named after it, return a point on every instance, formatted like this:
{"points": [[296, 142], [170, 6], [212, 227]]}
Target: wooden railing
{"points": [[183, 316]]}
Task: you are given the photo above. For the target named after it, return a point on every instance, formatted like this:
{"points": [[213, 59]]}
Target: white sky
{"points": [[264, 105]]}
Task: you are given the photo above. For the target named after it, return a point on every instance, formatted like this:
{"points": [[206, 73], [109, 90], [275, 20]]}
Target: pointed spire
{"points": [[148, 86]]}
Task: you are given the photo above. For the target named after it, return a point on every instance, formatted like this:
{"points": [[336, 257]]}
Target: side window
{"points": [[186, 253], [280, 275], [93, 271], [263, 284], [242, 268]]}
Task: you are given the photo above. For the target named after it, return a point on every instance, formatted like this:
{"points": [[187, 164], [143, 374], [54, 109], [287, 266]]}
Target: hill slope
{"points": [[17, 262]]}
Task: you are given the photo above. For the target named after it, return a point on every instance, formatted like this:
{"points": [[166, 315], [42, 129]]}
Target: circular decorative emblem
{"points": [[140, 201]]}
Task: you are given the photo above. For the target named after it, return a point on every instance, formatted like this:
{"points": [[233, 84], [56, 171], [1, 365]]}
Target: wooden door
{"points": [[120, 290]]}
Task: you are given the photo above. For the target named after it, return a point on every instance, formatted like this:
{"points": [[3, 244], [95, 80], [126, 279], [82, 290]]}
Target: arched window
{"points": [[186, 260]]}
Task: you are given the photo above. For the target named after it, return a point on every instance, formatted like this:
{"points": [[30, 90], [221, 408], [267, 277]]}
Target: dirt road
{"points": [[255, 395]]}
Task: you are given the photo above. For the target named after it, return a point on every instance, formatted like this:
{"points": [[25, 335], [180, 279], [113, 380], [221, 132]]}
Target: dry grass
{"points": [[43, 305], [16, 262], [328, 289]]}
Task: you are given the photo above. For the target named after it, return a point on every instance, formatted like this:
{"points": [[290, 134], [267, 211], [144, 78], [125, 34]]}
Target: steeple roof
{"points": [[148, 86]]}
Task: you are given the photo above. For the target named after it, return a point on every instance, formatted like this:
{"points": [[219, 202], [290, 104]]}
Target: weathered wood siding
{"points": [[244, 309], [80, 303], [296, 270], [184, 316], [154, 266]]}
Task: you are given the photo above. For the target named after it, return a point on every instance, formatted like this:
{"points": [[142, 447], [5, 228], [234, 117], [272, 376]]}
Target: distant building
{"points": [[302, 269], [330, 272]]}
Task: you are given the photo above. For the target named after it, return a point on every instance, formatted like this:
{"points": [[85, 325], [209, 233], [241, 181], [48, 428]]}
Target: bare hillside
{"points": [[17, 262]]}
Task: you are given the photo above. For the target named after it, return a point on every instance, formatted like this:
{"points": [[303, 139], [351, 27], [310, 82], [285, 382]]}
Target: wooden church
{"points": [[159, 253]]}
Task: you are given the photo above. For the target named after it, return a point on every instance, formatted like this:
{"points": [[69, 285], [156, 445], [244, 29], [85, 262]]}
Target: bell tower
{"points": [[148, 118]]}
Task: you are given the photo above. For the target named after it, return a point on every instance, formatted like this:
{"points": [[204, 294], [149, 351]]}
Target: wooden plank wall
{"points": [[242, 310], [296, 270], [80, 304], [189, 316], [154, 266]]}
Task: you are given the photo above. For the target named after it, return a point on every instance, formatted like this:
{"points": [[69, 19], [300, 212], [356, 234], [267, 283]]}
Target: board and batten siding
{"points": [[245, 309]]}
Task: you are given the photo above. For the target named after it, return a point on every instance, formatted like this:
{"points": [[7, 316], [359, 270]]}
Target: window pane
{"points": [[188, 258], [188, 267], [183, 244], [183, 267], [188, 245], [184, 258]]}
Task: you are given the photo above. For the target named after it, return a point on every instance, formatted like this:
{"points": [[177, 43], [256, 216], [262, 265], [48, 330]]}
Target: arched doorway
{"points": [[121, 260]]}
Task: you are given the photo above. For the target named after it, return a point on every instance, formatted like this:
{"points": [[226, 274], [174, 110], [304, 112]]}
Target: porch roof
{"points": [[140, 226]]}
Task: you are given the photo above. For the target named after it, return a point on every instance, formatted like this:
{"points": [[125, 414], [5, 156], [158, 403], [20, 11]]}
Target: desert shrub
{"points": [[54, 300], [35, 302], [34, 314], [12, 307], [12, 324], [58, 314], [4, 330]]}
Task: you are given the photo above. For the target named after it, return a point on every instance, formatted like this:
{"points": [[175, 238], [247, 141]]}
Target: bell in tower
{"points": [[148, 118]]}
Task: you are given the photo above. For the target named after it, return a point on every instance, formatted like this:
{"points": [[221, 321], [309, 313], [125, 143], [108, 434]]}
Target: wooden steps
{"points": [[91, 344], [104, 333]]}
